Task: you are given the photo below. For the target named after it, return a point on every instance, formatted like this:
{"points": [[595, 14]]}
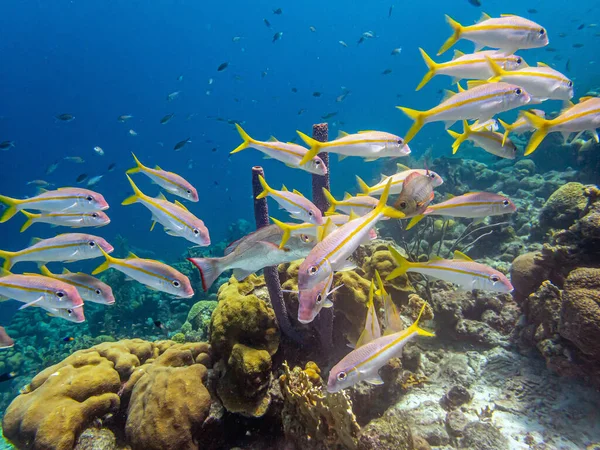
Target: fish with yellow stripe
{"points": [[462, 271], [312, 301], [90, 289], [174, 217], [474, 205], [287, 152], [478, 103], [521, 125], [369, 145], [361, 205], [584, 116], [508, 33], [371, 354], [61, 219], [332, 253], [298, 206], [153, 274], [169, 181], [473, 66], [72, 200], [490, 141], [541, 82], [66, 247], [397, 181]]}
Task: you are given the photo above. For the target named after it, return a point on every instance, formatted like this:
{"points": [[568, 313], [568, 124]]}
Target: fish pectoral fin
{"points": [[327, 304], [171, 232], [241, 274], [153, 225], [3, 298], [375, 380], [344, 266], [27, 305], [449, 123]]}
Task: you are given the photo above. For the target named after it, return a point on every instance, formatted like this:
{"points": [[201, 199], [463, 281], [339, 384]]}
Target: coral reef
{"points": [[196, 326]]}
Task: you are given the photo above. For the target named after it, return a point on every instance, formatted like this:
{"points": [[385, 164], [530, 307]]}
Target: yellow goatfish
{"points": [[491, 141], [361, 205], [73, 220], [521, 125], [397, 181]]}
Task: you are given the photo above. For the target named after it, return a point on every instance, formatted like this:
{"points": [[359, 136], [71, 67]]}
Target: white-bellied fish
{"points": [[489, 125], [251, 254], [361, 205], [461, 270], [508, 33], [169, 181], [417, 193], [174, 217], [73, 220], [90, 289], [397, 181], [287, 152], [66, 247], [490, 141], [541, 82], [151, 273], [474, 205], [72, 200], [370, 145], [364, 362], [38, 290], [480, 103], [333, 251], [75, 315], [473, 66], [311, 301], [584, 116], [298, 206], [521, 125]]}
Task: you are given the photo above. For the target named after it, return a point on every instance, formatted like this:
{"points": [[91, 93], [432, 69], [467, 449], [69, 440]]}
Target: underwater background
{"points": [[98, 60]]}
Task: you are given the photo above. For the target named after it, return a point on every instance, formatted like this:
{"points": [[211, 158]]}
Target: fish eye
{"points": [[432, 175], [92, 244], [319, 299], [518, 91], [176, 283], [188, 191], [98, 292], [317, 163], [60, 294], [341, 376], [304, 238], [570, 84], [95, 215], [70, 311], [312, 270], [542, 31], [310, 213], [403, 205], [494, 278], [196, 231], [519, 60], [400, 141], [505, 202], [89, 198]]}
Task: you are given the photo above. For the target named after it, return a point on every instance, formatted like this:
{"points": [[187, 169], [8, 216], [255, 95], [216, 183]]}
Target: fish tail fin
{"points": [[29, 221], [106, 264], [136, 196], [315, 147], [364, 187], [387, 211], [12, 207], [287, 231], [139, 166], [456, 32], [209, 270], [8, 259], [419, 119], [431, 65], [246, 138], [542, 128], [332, 202], [507, 129], [415, 326], [403, 264], [460, 138], [266, 188], [496, 70], [415, 220]]}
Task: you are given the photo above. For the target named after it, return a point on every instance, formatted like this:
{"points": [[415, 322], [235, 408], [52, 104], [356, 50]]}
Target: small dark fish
{"points": [[214, 149], [532, 11], [277, 36], [562, 35], [390, 11], [263, 74], [181, 144], [159, 324], [386, 72], [577, 45], [302, 111], [180, 78], [278, 11], [557, 57], [361, 40], [267, 23], [68, 339], [51, 168], [112, 166], [581, 27], [222, 67], [551, 49], [316, 94], [81, 178], [6, 145], [475, 2], [7, 376], [329, 115], [294, 90], [568, 65], [167, 118], [66, 117], [216, 183]]}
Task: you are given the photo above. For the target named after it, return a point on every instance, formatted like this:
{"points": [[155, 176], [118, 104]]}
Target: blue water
{"points": [[100, 59]]}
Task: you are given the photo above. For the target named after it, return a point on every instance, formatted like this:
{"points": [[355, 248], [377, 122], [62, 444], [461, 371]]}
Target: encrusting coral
{"points": [[141, 379]]}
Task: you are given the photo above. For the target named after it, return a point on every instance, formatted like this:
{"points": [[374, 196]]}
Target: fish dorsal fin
{"points": [[347, 195], [132, 255], [584, 99], [365, 131], [4, 272], [60, 189], [383, 177], [342, 134], [448, 94], [436, 258], [568, 105], [457, 54], [474, 83], [485, 16], [161, 196], [42, 190], [284, 189], [449, 196], [541, 64], [297, 192], [352, 215], [372, 330], [325, 230], [461, 256], [402, 167], [393, 322], [460, 88], [65, 271], [508, 15], [381, 289], [157, 167], [272, 139], [181, 205], [35, 240]]}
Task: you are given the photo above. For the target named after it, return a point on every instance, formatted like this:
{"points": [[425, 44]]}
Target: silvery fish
{"points": [[90, 289], [361, 205], [491, 141], [175, 218], [73, 220], [252, 253], [288, 153], [66, 247], [521, 125], [461, 270], [72, 200], [169, 181], [75, 315], [154, 274], [397, 181]]}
